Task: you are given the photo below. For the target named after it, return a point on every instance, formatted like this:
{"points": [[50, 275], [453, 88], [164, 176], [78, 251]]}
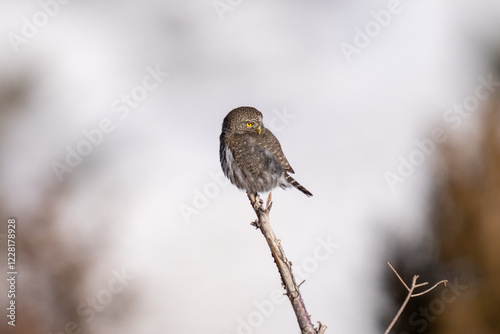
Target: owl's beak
{"points": [[259, 129]]}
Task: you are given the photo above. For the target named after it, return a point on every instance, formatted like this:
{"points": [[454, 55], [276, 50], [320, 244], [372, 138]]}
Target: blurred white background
{"points": [[134, 204]]}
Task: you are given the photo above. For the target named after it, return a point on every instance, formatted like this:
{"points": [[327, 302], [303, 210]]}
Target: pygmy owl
{"points": [[251, 156]]}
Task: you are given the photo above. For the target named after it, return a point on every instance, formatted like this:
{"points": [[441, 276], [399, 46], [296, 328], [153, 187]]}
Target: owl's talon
{"points": [[255, 224], [257, 202]]}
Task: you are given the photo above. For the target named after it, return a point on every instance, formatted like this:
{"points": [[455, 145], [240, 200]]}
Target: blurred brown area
{"points": [[463, 244], [55, 281], [466, 222]]}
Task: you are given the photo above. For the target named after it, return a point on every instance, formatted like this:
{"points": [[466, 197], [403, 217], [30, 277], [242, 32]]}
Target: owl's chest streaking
{"points": [[253, 162]]}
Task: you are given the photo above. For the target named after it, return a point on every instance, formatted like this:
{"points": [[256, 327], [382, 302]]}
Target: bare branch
{"points": [[404, 303], [421, 284], [414, 285], [284, 266], [406, 286], [321, 328], [435, 285]]}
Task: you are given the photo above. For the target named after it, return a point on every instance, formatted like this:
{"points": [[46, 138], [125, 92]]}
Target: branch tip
{"points": [[406, 286]]}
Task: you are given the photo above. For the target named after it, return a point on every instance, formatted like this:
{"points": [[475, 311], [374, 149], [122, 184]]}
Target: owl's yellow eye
{"points": [[249, 124]]}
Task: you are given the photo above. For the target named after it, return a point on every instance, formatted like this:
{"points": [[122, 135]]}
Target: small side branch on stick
{"points": [[284, 266], [410, 289]]}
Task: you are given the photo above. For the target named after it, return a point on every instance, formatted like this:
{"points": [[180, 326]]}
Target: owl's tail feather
{"points": [[297, 185]]}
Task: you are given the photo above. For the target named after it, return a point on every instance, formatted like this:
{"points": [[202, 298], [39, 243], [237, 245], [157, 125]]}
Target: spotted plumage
{"points": [[251, 156]]}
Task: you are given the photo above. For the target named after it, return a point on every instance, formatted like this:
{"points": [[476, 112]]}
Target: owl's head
{"points": [[243, 120]]}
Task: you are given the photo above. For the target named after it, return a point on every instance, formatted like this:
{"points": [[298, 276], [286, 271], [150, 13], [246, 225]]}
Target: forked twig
{"points": [[414, 285]]}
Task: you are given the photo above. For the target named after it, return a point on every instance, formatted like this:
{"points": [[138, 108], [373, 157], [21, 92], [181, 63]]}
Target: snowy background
{"points": [[148, 199]]}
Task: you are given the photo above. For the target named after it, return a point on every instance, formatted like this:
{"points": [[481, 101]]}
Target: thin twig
{"points": [[435, 285], [406, 286], [414, 285], [404, 304], [321, 328]]}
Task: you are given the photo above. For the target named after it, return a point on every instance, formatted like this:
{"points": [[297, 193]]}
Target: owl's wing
{"points": [[268, 141]]}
